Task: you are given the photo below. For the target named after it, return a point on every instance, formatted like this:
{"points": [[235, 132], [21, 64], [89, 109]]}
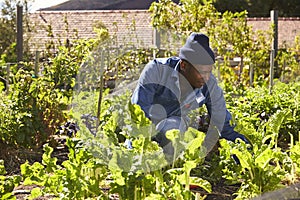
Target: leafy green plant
{"points": [[143, 169], [294, 153], [150, 177], [31, 113], [264, 165], [37, 105], [193, 155], [79, 177], [257, 105], [62, 68], [7, 183]]}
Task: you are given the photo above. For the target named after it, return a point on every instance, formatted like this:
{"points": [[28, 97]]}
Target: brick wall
{"points": [[288, 28], [120, 22]]}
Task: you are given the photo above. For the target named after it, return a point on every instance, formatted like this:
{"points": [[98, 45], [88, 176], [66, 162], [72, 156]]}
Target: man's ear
{"points": [[183, 65]]}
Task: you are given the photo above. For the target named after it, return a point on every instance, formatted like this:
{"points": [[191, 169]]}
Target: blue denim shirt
{"points": [[158, 94]]}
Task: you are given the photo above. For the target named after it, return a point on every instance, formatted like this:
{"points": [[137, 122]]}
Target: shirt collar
{"points": [[176, 72]]}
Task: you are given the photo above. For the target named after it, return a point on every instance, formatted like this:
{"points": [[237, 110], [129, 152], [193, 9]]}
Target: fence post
{"points": [[7, 77], [156, 39], [274, 21], [36, 63], [251, 74], [219, 60], [272, 57], [283, 71], [19, 34], [101, 86]]}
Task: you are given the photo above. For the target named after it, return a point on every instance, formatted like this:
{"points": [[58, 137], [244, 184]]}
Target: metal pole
{"points": [[19, 34], [274, 21], [272, 69]]}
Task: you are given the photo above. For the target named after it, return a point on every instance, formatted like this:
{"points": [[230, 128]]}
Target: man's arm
{"points": [[220, 116], [146, 88]]}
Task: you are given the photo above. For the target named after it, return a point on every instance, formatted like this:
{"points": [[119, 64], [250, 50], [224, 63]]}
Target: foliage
{"points": [[79, 177], [294, 153], [231, 37], [8, 26], [264, 165], [63, 67], [288, 58], [34, 109], [189, 16], [268, 121], [7, 183], [291, 8], [261, 170], [139, 170], [257, 105], [37, 103]]}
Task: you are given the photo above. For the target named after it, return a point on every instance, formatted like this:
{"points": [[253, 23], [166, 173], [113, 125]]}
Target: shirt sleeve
{"points": [[219, 115], [146, 88]]}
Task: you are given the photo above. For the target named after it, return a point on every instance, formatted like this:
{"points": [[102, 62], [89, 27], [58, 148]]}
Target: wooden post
{"points": [[156, 38], [283, 71], [219, 60], [219, 72], [7, 77], [101, 86], [117, 69], [19, 34], [36, 64], [251, 74]]}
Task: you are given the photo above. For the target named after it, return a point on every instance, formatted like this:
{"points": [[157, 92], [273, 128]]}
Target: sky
{"points": [[37, 4]]}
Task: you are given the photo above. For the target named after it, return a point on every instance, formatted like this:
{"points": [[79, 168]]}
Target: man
{"points": [[169, 88]]}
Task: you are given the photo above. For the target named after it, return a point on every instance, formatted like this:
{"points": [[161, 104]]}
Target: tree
{"points": [[8, 28], [286, 8], [230, 36]]}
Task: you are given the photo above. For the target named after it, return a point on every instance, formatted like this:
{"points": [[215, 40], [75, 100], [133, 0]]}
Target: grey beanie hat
{"points": [[197, 51]]}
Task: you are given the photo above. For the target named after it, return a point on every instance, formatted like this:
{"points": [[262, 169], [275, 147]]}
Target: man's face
{"points": [[197, 75]]}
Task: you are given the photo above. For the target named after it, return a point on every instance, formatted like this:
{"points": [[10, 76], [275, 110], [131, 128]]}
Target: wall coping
{"points": [[88, 11]]}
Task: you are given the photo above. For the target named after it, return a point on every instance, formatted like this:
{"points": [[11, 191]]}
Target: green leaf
{"points": [[153, 196], [118, 177], [138, 115], [194, 145], [172, 134], [244, 157], [47, 160], [264, 158], [2, 168], [8, 196], [35, 193], [189, 165], [201, 183], [277, 119]]}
